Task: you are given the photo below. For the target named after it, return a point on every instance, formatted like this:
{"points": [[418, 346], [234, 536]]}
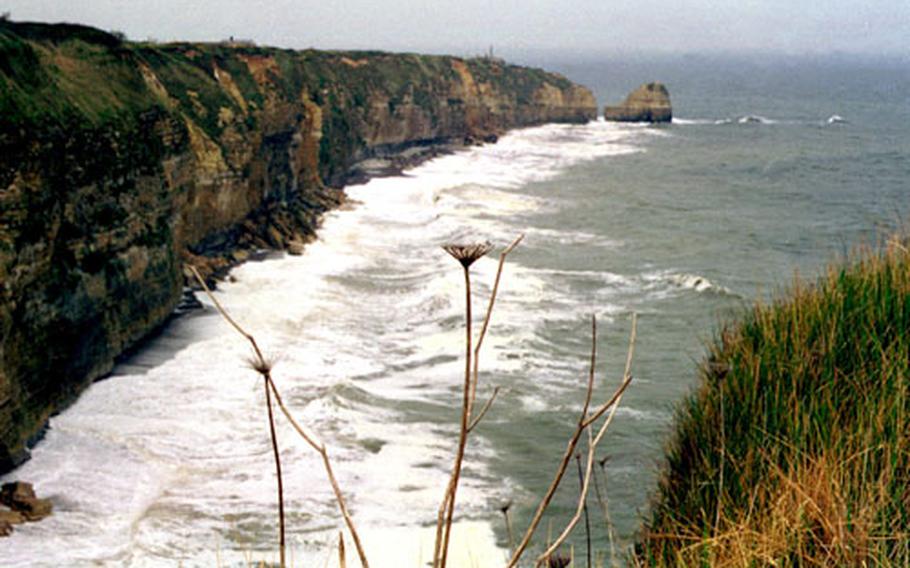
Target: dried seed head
{"points": [[261, 366], [559, 561], [467, 254]]}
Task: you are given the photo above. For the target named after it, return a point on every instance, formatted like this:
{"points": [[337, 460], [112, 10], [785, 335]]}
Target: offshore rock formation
{"points": [[121, 161], [648, 103]]}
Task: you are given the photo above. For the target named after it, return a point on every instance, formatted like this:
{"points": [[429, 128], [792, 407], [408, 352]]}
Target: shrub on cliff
{"points": [[794, 450]]}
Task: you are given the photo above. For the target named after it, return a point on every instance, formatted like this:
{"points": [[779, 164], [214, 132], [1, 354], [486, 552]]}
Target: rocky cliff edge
{"points": [[121, 161]]}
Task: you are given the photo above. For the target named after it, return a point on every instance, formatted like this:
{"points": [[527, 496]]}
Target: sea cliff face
{"points": [[121, 161]]}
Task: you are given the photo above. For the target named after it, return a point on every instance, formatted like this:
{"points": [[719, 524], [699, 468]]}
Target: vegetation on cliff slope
{"points": [[795, 449], [120, 160]]}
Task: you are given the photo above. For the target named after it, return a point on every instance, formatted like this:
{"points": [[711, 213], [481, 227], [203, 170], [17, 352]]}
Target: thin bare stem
{"points": [[267, 379], [604, 505], [505, 513], [583, 423], [452, 489], [339, 497], [627, 377], [566, 458], [466, 255], [227, 316], [589, 393], [581, 500], [592, 447], [263, 367], [342, 563], [483, 410], [723, 457], [308, 437], [440, 522], [587, 519], [486, 319]]}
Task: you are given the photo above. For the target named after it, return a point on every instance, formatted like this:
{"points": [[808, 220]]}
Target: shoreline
{"points": [[216, 263], [388, 165], [199, 153]]}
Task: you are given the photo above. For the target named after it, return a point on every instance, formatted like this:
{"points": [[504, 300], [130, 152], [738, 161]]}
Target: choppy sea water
{"points": [[169, 462]]}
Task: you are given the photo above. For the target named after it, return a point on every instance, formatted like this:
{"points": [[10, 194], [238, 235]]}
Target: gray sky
{"points": [[470, 26]]}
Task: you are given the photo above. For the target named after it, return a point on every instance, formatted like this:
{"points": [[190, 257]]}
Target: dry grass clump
{"points": [[795, 449]]}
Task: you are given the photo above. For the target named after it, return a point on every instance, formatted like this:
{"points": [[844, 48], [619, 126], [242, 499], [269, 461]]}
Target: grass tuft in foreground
{"points": [[793, 451]]}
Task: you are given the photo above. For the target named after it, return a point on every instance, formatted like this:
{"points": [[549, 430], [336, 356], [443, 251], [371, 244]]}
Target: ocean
{"points": [[772, 167]]}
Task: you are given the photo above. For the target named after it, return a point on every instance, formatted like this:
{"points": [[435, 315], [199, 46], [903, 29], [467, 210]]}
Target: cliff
{"points": [[648, 103], [120, 161]]}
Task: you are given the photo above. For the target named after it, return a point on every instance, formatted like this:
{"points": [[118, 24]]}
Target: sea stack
{"points": [[648, 103]]}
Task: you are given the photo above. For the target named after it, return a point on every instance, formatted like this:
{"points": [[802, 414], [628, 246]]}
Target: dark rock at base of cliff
{"points": [[10, 518], [471, 140], [648, 103], [133, 159], [20, 497], [295, 248], [394, 161], [188, 303]]}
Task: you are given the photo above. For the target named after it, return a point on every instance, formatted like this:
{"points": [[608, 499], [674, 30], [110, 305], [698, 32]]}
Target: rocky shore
{"points": [[19, 504], [120, 162]]}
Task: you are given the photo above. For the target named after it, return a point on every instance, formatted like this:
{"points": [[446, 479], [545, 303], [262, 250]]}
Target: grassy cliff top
{"points": [[49, 73], [795, 449], [55, 71]]}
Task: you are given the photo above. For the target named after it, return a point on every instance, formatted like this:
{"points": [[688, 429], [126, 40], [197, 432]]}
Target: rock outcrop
{"points": [[24, 506], [121, 161], [648, 103]]}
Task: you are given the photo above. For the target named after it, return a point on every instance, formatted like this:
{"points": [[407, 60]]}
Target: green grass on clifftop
{"points": [[795, 449], [58, 74]]}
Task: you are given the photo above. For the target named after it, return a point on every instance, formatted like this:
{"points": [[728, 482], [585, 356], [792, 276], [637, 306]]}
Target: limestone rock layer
{"points": [[121, 161]]}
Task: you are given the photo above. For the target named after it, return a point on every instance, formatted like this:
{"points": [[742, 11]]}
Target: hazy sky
{"points": [[470, 26]]}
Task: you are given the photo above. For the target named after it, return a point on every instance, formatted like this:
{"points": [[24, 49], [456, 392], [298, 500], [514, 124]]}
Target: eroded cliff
{"points": [[120, 161]]}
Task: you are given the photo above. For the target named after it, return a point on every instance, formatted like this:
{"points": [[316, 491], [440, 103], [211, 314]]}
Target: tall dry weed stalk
{"points": [[264, 367], [466, 255]]}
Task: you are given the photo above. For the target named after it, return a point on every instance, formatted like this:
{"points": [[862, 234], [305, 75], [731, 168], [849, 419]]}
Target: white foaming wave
{"points": [[602, 275], [524, 156], [752, 119], [755, 119], [469, 201], [571, 237], [693, 121], [185, 445], [745, 119], [570, 401], [661, 279], [836, 119]]}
